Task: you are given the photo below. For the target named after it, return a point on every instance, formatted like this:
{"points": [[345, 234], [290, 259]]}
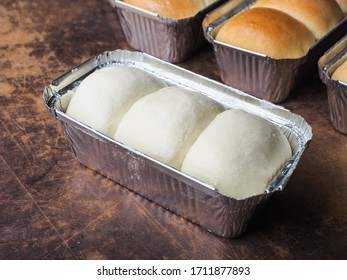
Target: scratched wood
{"points": [[51, 207]]}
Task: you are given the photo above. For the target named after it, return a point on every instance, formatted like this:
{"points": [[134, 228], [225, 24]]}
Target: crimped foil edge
{"points": [[221, 215]]}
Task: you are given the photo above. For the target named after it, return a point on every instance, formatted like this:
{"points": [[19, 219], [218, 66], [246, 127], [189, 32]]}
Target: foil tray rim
{"points": [[229, 222], [270, 110], [329, 58]]}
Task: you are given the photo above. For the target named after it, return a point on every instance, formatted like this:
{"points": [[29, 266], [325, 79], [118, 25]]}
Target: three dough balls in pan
{"points": [[236, 152]]}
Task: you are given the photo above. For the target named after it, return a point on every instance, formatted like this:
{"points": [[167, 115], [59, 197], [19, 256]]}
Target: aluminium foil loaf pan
{"points": [[255, 73], [337, 90], [192, 199], [172, 40]]}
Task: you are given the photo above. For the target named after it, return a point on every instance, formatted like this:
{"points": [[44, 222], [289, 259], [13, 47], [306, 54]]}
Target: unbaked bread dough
{"points": [[238, 153], [102, 98], [165, 124]]}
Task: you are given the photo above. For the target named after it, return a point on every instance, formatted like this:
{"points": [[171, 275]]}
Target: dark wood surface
{"points": [[52, 207]]}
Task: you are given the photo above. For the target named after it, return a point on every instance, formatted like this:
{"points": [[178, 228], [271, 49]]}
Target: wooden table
{"points": [[52, 207]]}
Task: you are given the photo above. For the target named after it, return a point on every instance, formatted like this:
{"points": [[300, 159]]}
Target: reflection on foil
{"points": [[194, 200]]}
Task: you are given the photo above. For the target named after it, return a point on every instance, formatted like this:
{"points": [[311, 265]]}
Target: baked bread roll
{"points": [[171, 8], [238, 153], [267, 31], [320, 16], [103, 97], [340, 73], [343, 6], [166, 123]]}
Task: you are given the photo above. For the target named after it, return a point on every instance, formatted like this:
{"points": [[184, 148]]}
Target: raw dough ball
{"points": [[238, 153], [106, 95], [166, 123]]}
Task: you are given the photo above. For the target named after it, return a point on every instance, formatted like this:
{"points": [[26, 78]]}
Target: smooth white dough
{"points": [[102, 98], [166, 123], [238, 153]]}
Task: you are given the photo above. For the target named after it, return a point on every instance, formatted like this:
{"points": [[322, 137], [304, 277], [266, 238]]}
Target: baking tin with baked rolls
{"points": [[169, 187], [336, 86], [170, 39], [256, 73]]}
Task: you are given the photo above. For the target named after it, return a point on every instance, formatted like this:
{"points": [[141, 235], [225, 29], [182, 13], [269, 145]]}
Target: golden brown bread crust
{"points": [[343, 5], [340, 73], [320, 16], [267, 31], [171, 8]]}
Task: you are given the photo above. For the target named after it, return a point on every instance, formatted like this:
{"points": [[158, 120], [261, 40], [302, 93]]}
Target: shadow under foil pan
{"points": [[190, 198]]}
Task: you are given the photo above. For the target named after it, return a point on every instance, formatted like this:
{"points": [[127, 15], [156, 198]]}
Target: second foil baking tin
{"points": [[337, 90], [172, 40], [190, 198], [255, 73]]}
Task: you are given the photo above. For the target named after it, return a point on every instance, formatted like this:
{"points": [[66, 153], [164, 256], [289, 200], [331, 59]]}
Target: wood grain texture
{"points": [[51, 207]]}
